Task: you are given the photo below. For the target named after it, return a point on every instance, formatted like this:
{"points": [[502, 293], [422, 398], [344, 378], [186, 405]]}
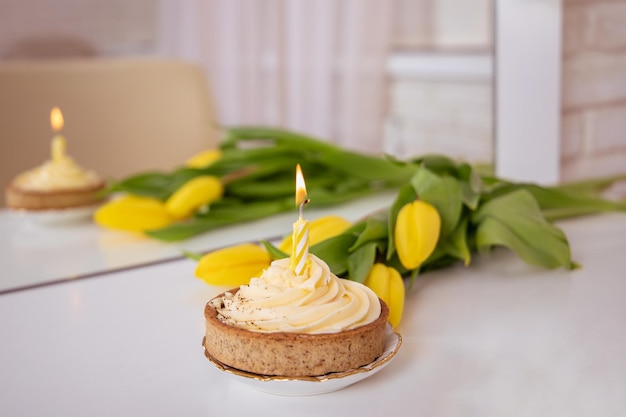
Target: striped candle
{"points": [[300, 237], [300, 246]]}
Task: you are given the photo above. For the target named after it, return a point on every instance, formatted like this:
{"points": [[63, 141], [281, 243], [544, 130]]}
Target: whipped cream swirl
{"points": [[315, 302], [59, 173]]}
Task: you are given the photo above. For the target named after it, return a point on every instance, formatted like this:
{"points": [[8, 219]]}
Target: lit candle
{"points": [[300, 237], [58, 142]]}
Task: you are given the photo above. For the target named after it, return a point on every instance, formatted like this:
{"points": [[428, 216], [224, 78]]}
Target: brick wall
{"points": [[593, 88], [442, 23], [434, 115]]}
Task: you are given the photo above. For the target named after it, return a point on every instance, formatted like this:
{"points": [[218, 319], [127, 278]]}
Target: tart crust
{"points": [[18, 198], [294, 354]]}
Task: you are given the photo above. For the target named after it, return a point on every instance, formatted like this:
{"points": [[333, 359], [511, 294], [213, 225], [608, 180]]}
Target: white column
{"points": [[528, 88]]}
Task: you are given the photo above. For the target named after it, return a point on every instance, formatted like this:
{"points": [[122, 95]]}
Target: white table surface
{"points": [[499, 338], [34, 252]]}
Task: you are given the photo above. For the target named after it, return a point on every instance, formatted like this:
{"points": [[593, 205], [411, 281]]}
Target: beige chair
{"points": [[122, 116]]}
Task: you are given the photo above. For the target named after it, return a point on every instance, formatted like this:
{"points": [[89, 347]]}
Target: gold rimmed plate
{"points": [[300, 386]]}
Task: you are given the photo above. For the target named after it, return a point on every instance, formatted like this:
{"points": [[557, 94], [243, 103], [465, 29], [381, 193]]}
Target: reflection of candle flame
{"points": [[56, 119], [58, 142], [300, 186]]}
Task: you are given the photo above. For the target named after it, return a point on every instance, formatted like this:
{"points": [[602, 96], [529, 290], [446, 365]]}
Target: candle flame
{"points": [[300, 186], [56, 119]]}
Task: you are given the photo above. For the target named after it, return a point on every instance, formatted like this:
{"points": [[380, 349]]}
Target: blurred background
{"points": [[401, 76]]}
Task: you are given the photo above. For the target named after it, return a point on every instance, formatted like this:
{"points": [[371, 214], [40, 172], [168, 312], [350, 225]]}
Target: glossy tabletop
{"points": [[499, 338]]}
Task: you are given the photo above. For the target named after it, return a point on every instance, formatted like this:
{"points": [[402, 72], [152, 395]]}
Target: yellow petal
{"points": [[396, 297], [204, 159], [193, 194], [416, 233], [319, 230], [387, 283], [378, 281], [233, 266], [133, 213]]}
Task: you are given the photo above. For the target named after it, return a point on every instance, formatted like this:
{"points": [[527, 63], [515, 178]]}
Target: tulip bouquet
{"points": [[445, 214], [444, 211]]}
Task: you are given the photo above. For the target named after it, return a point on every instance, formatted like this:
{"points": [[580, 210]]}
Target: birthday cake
{"points": [[294, 325], [59, 183]]}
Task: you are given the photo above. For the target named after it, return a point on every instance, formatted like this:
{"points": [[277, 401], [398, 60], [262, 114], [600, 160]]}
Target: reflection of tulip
{"points": [[387, 283], [319, 230], [233, 266], [133, 213], [416, 233], [193, 194], [204, 159]]}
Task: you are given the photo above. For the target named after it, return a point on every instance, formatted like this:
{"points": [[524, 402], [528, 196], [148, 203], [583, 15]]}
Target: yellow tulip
{"points": [[233, 266], [203, 159], [387, 283], [133, 213], [416, 233], [319, 230], [193, 194]]}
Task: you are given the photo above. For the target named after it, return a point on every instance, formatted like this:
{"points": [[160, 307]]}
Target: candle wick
{"points": [[302, 208]]}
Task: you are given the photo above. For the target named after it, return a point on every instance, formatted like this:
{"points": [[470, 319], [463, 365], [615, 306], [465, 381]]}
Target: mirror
{"points": [[406, 77]]}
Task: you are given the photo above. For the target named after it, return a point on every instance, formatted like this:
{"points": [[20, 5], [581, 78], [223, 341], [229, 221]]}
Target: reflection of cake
{"points": [[57, 184], [288, 325]]}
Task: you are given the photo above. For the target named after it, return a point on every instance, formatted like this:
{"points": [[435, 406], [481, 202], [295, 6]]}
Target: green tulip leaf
{"points": [[456, 243], [471, 185], [444, 193], [376, 228], [334, 251], [194, 256], [514, 220], [360, 262], [438, 164], [274, 252], [154, 184], [215, 218]]}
